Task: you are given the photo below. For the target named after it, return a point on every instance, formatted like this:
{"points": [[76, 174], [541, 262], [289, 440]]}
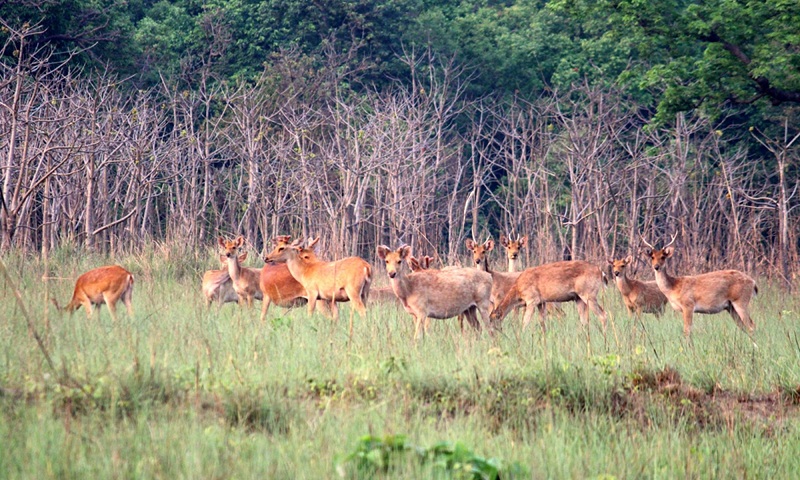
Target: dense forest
{"points": [[583, 124]]}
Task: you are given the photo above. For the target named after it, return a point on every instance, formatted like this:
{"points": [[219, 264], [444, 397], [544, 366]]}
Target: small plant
{"points": [[374, 454]]}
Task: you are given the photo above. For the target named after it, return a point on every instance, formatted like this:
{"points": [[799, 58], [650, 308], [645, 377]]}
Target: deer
{"points": [[344, 280], [102, 285], [502, 282], [706, 293], [217, 285], [513, 249], [245, 280], [639, 297], [437, 294], [386, 294], [566, 281], [279, 286]]}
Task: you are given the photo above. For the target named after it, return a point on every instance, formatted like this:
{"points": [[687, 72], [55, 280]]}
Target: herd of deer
{"points": [[293, 275]]}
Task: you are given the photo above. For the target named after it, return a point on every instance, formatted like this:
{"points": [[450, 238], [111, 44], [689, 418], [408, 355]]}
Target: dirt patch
{"points": [[716, 408]]}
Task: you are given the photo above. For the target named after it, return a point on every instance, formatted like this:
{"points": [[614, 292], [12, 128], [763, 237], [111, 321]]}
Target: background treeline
{"points": [[582, 124]]}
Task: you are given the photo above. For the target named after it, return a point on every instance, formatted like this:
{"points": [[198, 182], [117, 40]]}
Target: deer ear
{"points": [[404, 251], [647, 252], [503, 240], [489, 245], [628, 259], [668, 252], [470, 244], [239, 241], [413, 263], [610, 261], [523, 241], [297, 242], [221, 242], [382, 250], [313, 242]]}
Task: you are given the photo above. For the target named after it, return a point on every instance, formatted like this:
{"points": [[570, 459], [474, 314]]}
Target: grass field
{"points": [[179, 391]]}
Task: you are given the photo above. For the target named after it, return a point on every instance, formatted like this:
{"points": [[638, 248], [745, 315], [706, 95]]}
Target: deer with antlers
{"points": [[103, 285], [439, 294], [513, 250], [567, 281], [344, 280], [244, 279], [637, 295], [712, 292]]}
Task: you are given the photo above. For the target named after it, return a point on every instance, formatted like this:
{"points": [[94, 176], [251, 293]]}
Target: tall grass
{"points": [[178, 391]]}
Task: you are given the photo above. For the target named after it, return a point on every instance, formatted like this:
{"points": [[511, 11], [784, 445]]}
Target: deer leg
{"points": [[595, 307], [528, 316], [543, 316], [112, 306], [744, 321], [312, 296], [472, 317], [357, 301], [583, 311], [687, 320], [265, 307]]}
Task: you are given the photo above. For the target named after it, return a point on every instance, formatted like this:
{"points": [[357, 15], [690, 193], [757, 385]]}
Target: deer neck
{"points": [[234, 269], [623, 284], [664, 280], [512, 265], [297, 266], [401, 286]]}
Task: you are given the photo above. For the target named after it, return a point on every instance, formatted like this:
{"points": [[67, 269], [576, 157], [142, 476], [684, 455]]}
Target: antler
{"points": [[674, 235], [645, 242]]}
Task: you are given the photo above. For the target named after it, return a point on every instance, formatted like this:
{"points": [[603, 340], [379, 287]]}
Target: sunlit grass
{"points": [[181, 391]]}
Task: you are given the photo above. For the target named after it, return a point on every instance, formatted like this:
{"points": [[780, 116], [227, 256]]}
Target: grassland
{"points": [[179, 391]]}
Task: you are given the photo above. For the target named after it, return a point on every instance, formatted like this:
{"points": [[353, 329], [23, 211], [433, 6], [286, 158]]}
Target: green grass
{"points": [[178, 391]]}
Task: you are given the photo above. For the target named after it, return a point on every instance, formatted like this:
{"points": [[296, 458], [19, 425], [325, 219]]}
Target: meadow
{"points": [[181, 391]]}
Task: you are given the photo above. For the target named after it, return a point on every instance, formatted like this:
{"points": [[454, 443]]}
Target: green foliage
{"points": [[376, 454]]}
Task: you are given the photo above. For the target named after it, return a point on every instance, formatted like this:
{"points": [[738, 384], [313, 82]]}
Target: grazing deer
{"points": [[638, 296], [344, 280], [513, 249], [437, 293], [567, 281], [280, 287], [245, 280], [101, 285], [711, 292]]}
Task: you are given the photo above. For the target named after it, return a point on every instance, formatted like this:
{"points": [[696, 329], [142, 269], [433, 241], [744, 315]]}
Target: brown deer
{"points": [[637, 295], [217, 285], [567, 281], [386, 294], [280, 287], [245, 280], [711, 292], [344, 280], [101, 285], [437, 293], [513, 250], [502, 282]]}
